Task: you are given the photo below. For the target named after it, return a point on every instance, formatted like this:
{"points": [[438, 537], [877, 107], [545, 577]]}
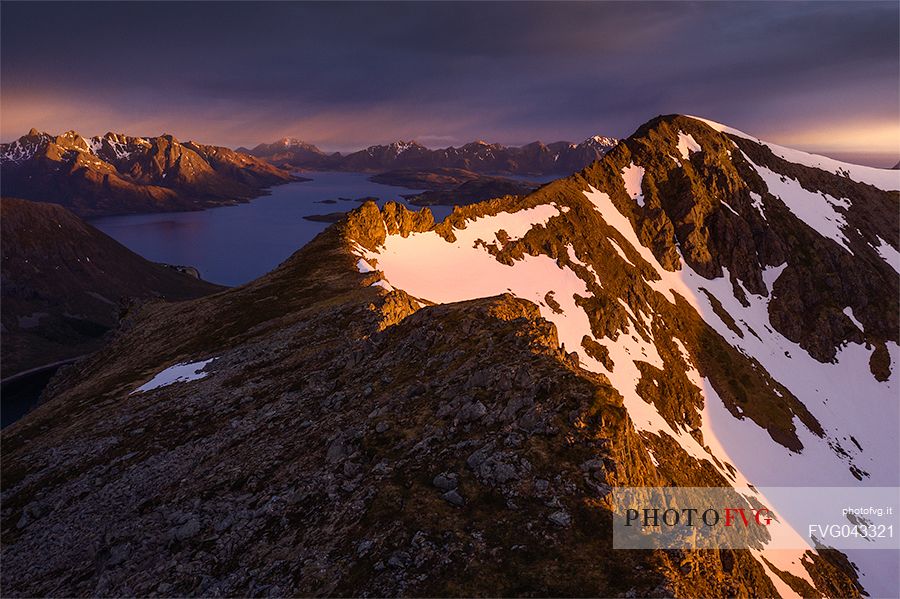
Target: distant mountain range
{"points": [[119, 174], [64, 281], [536, 158]]}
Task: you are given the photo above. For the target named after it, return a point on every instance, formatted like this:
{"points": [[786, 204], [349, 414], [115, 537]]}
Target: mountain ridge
{"points": [[535, 158], [120, 174], [467, 393]]}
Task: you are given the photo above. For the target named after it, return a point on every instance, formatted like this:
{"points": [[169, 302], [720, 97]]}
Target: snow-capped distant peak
{"points": [[291, 142], [96, 144], [601, 140], [19, 151], [27, 147], [400, 146]]}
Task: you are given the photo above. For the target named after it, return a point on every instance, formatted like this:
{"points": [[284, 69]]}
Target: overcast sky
{"points": [[821, 76]]}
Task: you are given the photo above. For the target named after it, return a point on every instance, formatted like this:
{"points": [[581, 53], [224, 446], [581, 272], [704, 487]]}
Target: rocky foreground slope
{"points": [[119, 174], [63, 284], [404, 408]]}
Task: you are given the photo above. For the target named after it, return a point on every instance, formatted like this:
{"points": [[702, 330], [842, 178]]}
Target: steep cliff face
{"points": [[118, 174], [405, 407]]}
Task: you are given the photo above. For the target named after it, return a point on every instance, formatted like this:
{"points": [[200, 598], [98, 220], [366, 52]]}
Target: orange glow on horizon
{"points": [[232, 125], [849, 136]]}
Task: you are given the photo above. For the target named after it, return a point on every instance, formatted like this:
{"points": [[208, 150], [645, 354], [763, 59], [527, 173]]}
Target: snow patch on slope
{"points": [[633, 176], [820, 211], [888, 254], [770, 274], [363, 266], [849, 312], [427, 266], [687, 144], [620, 251], [179, 373], [727, 205], [757, 202], [383, 284]]}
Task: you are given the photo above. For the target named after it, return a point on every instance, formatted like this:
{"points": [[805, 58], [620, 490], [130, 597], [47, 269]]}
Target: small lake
{"points": [[232, 245]]}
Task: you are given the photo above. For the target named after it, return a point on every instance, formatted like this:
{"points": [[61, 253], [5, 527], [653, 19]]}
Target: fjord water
{"points": [[236, 244], [21, 393]]}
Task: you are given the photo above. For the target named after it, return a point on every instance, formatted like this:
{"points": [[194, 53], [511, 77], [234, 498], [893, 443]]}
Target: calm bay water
{"points": [[236, 244]]}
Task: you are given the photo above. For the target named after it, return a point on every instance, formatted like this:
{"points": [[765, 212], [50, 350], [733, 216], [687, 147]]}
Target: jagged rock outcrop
{"points": [[119, 174]]}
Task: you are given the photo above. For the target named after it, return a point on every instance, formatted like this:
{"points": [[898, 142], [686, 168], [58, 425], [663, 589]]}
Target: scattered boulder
{"points": [[187, 530], [446, 481], [561, 518], [453, 498], [471, 412]]}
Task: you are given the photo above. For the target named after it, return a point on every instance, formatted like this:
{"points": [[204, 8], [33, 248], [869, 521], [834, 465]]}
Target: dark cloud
{"points": [[344, 74]]}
